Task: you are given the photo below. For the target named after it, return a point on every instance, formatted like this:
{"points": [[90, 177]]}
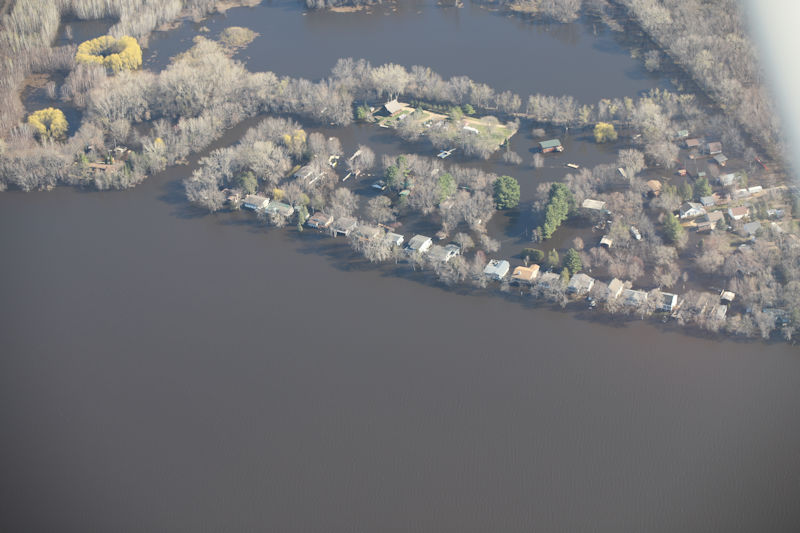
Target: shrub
{"points": [[114, 54], [237, 37], [49, 123]]}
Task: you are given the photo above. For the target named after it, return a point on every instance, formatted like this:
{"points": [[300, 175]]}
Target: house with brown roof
{"points": [[738, 213], [525, 275]]}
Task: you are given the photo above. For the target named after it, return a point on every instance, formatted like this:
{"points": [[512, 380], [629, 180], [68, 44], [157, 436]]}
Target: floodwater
{"points": [[166, 370]]}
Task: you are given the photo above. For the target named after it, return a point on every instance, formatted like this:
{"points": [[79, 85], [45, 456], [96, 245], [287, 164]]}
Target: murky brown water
{"points": [[163, 370]]}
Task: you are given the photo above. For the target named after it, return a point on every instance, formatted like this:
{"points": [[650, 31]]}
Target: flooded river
{"points": [[165, 370]]}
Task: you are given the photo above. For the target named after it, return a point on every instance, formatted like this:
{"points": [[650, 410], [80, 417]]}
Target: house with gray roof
{"points": [[496, 269], [580, 284], [255, 202]]}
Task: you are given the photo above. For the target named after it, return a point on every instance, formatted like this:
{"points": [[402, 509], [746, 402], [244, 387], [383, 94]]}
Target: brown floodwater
{"points": [[167, 370]]}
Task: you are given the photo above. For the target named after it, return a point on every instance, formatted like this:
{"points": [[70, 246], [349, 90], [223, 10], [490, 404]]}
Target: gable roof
{"points": [[552, 143]]}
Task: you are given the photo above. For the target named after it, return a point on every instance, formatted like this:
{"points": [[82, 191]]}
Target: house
{"points": [[524, 274], [365, 232], [344, 226], [596, 205], [721, 159], [319, 220], [615, 288], [633, 297], [255, 202], [549, 280], [553, 145], [394, 239], [443, 254], [719, 312], [279, 208], [668, 302], [692, 209], [606, 241], [755, 189], [714, 148], [419, 243], [726, 179], [393, 107], [708, 201], [305, 174], [692, 143], [738, 213], [709, 221], [727, 297], [580, 284], [751, 228], [496, 269]]}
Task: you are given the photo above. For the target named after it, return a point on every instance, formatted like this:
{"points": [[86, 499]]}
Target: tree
{"points": [[446, 186], [552, 259], [49, 123], [604, 132], [506, 192], [558, 206], [248, 182], [673, 230], [379, 210], [702, 188], [343, 203], [362, 160], [572, 261]]}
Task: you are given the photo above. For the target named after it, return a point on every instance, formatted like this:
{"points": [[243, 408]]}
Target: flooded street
{"points": [[167, 370]]}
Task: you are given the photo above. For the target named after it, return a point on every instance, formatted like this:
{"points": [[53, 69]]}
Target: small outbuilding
{"points": [[553, 145], [721, 159], [606, 241], [595, 205], [714, 148]]}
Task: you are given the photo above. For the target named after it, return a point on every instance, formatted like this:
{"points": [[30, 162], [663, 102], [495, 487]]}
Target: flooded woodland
{"points": [[166, 369]]}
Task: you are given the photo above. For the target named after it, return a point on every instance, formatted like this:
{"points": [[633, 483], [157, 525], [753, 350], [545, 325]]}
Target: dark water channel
{"points": [[164, 370]]}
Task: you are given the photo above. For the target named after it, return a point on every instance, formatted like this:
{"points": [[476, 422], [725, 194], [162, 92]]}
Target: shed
{"points": [[344, 226], [553, 145], [692, 143], [580, 284], [606, 241], [496, 269], [635, 233], [714, 148], [721, 159], [596, 205], [319, 220], [419, 243], [255, 202], [738, 213], [755, 189], [524, 274]]}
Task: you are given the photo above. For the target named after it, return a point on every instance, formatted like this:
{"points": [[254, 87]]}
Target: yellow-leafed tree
{"points": [[605, 132], [114, 54], [49, 123]]}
